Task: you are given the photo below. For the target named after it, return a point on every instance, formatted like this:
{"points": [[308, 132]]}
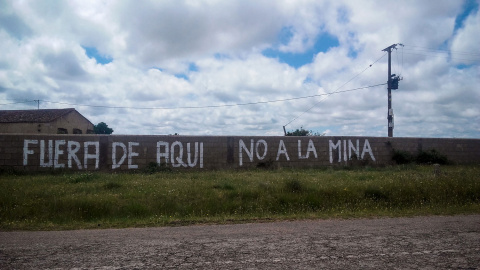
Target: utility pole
{"points": [[38, 103], [392, 84]]}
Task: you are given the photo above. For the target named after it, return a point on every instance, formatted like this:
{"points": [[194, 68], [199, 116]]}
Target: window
{"points": [[62, 131], [89, 131], [77, 131]]}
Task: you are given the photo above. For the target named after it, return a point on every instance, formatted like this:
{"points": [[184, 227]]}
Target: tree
{"points": [[102, 128], [303, 132]]}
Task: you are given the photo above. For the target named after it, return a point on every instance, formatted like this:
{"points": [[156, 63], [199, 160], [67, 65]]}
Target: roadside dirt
{"points": [[436, 242]]}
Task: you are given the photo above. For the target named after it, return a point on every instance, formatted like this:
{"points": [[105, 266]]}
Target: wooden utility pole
{"points": [[389, 87]]}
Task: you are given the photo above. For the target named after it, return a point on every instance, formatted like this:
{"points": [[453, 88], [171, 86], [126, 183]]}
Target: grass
{"points": [[65, 200]]}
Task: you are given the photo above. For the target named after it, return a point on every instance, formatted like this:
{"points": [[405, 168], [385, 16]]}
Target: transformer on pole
{"points": [[391, 85]]}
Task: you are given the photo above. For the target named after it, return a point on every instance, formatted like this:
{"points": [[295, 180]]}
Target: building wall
{"points": [[37, 128], [121, 152], [71, 121]]}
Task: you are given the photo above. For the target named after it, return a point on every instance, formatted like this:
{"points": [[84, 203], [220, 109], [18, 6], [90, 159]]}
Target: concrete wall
{"points": [[121, 152], [71, 121]]}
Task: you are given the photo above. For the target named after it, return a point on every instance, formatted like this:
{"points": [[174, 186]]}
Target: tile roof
{"points": [[33, 116]]}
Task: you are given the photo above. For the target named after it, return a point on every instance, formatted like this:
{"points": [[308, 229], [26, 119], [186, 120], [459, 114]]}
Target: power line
{"points": [[426, 49], [337, 91], [29, 101], [446, 56], [326, 96], [197, 107], [211, 106], [453, 55]]}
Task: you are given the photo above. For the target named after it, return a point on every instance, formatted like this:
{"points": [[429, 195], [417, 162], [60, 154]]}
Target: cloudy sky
{"points": [[246, 67]]}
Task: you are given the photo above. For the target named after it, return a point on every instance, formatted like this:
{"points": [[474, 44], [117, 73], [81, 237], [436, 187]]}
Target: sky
{"points": [[246, 67]]}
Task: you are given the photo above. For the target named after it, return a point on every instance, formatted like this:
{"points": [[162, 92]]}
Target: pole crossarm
{"points": [[390, 48]]}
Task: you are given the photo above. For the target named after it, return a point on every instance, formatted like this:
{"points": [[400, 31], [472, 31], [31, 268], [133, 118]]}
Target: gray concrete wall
{"points": [[130, 152]]}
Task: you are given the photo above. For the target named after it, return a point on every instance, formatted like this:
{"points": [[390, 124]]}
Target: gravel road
{"points": [[436, 242]]}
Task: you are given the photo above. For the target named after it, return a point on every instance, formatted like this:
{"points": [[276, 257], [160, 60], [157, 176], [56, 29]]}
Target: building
{"points": [[47, 121]]}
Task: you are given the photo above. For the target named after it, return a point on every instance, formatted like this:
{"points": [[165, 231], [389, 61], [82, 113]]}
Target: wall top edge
{"points": [[230, 136]]}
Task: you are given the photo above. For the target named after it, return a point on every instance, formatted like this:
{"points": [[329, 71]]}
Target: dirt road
{"points": [[451, 242]]}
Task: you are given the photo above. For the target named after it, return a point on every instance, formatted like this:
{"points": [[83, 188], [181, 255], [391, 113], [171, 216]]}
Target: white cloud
{"points": [[160, 31], [465, 42], [176, 56]]}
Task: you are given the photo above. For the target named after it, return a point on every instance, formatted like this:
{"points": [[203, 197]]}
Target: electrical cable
{"points": [[453, 55], [211, 106], [18, 102], [419, 48], [442, 54], [337, 90], [326, 96]]}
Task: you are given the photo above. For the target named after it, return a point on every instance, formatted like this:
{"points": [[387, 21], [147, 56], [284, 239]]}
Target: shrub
{"points": [[402, 157], [422, 157], [154, 167], [294, 186], [269, 164], [430, 157]]}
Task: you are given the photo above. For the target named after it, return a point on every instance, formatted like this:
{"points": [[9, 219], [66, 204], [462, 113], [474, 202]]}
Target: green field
{"points": [[67, 200]]}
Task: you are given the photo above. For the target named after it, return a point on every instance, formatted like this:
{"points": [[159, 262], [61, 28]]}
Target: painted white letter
{"points": [[132, 154], [178, 159], [332, 146], [300, 150], [58, 152], [114, 154], [282, 149], [264, 146], [357, 150], [367, 149], [72, 153], [42, 154], [311, 148], [189, 155], [165, 154], [26, 151], [87, 156], [241, 145]]}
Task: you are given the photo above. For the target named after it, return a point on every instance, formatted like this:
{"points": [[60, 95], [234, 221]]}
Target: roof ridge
{"points": [[33, 116]]}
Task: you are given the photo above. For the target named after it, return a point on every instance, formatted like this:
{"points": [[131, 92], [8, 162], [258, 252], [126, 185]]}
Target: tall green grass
{"points": [[86, 200]]}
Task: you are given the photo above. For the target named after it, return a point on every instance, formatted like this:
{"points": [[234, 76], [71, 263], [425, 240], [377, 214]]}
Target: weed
{"points": [[224, 186], [111, 185], [154, 167], [294, 186], [375, 194], [82, 177]]}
